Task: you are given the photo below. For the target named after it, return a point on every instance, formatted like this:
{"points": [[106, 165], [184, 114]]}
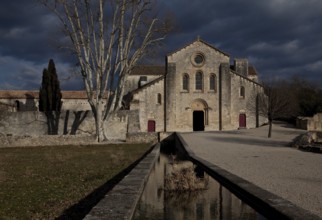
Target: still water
{"points": [[214, 202]]}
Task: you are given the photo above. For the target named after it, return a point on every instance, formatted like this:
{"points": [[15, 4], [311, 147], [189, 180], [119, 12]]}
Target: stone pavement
{"points": [[268, 163]]}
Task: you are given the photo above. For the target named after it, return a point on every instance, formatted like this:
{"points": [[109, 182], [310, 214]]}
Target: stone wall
{"points": [[142, 137], [310, 123], [244, 104], [28, 123], [301, 122], [225, 97], [75, 105], [32, 104], [315, 123], [117, 126], [22, 104], [145, 101], [133, 82], [147, 137], [33, 123], [7, 107]]}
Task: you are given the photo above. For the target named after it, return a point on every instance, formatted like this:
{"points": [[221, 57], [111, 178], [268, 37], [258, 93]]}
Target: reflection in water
{"points": [[215, 202]]}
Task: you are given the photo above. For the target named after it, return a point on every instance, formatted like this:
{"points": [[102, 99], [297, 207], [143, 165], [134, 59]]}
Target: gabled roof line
{"points": [[147, 85], [245, 77], [202, 41], [34, 94]]}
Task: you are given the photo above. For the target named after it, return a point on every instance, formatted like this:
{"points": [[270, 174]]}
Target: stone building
{"points": [[196, 90]]}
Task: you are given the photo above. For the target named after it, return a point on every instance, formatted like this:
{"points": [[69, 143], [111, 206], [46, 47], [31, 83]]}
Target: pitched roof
{"points": [[202, 41], [33, 94], [147, 85], [245, 77], [252, 71], [148, 70], [74, 94], [18, 94]]}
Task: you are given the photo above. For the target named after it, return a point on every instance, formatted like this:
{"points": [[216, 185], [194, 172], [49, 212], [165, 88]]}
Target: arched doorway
{"points": [[199, 109], [242, 120], [198, 121]]}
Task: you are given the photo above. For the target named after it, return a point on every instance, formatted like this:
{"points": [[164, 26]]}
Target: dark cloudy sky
{"points": [[281, 38]]}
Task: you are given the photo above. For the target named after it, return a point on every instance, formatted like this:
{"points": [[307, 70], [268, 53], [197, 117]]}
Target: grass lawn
{"points": [[41, 182]]}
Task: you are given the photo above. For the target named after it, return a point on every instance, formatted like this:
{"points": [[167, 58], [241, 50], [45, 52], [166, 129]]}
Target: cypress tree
{"points": [[50, 97]]}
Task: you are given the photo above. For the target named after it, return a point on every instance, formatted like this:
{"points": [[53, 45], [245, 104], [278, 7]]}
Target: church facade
{"points": [[196, 90]]}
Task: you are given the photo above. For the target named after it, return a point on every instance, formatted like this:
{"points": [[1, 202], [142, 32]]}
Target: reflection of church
{"points": [[216, 202], [197, 90]]}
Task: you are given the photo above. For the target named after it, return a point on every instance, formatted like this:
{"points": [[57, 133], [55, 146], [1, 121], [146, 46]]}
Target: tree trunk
{"points": [[99, 124], [79, 117], [50, 124], [270, 123], [56, 122]]}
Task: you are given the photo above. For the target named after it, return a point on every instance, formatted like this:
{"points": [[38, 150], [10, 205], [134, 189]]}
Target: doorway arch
{"points": [[199, 109]]}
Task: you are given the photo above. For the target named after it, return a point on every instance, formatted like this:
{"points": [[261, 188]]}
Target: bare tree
{"points": [[308, 94], [274, 101], [108, 38]]}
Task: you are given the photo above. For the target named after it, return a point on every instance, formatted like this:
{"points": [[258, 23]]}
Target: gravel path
{"points": [[268, 163]]}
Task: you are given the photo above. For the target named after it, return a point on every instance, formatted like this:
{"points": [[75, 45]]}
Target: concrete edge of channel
{"points": [[266, 203], [122, 200]]}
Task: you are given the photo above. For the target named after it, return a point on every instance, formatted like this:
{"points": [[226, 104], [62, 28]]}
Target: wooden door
{"points": [[151, 126], [242, 120]]}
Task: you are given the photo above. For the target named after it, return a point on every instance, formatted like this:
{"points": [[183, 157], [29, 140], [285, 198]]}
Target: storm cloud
{"points": [[280, 37]]}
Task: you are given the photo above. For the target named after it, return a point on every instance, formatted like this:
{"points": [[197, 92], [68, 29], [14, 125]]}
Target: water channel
{"points": [[213, 202]]}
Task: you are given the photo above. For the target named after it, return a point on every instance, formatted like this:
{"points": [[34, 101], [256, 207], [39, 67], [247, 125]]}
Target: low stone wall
{"points": [[122, 200], [147, 137], [268, 204], [23, 123], [142, 137], [310, 123], [34, 124], [301, 122], [315, 123]]}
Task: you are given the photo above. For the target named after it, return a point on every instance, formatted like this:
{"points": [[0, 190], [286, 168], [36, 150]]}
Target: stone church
{"points": [[197, 90]]}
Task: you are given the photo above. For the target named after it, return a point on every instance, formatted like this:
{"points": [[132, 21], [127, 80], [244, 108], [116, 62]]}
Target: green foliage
{"points": [[50, 93], [41, 182], [50, 97]]}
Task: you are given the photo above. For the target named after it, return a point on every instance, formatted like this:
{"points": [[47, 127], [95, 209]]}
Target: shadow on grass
{"points": [[83, 207]]}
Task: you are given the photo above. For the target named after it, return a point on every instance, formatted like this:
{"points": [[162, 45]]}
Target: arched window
{"points": [[242, 92], [212, 82], [159, 98], [199, 81], [185, 82]]}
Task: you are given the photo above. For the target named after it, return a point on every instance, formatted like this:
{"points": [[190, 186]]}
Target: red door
{"points": [[151, 126], [242, 120]]}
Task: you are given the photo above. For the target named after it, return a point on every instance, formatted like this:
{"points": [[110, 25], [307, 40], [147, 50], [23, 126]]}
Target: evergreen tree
{"points": [[50, 97]]}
